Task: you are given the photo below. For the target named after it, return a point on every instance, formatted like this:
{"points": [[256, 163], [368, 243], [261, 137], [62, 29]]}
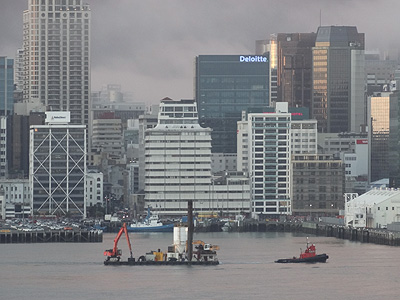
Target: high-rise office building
{"points": [[177, 159], [384, 136], [269, 156], [178, 167], [58, 166], [294, 78], [56, 43], [6, 111], [270, 46], [6, 86], [338, 97], [380, 73], [225, 85]]}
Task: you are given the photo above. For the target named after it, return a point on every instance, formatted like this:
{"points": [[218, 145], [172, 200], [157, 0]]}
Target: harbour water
{"points": [[247, 270]]}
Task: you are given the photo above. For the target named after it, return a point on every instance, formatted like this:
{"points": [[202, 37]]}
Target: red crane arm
{"points": [[114, 252], [127, 238], [115, 248]]}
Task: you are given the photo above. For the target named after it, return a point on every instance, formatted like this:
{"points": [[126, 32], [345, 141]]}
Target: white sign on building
{"points": [[58, 117]]}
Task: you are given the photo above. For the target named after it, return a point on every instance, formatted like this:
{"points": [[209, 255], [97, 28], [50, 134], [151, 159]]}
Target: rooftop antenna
{"points": [[320, 18]]}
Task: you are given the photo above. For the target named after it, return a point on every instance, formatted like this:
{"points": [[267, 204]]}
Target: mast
{"points": [[190, 230]]}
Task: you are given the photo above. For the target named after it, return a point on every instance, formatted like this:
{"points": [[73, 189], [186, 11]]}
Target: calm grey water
{"points": [[247, 270]]}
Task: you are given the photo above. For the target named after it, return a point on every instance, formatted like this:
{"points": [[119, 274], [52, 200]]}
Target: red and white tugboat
{"points": [[308, 256]]}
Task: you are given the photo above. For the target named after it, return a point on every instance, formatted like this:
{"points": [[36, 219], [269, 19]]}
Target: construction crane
{"points": [[115, 253]]}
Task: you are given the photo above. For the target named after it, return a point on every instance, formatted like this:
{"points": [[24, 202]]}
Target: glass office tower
{"points": [[338, 101], [225, 85], [384, 137], [6, 85]]}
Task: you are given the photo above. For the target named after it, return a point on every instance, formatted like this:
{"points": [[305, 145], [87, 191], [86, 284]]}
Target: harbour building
{"points": [[58, 166], [56, 56], [225, 85], [178, 166], [338, 73]]}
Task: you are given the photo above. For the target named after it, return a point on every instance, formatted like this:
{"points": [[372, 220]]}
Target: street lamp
{"points": [[310, 211]]}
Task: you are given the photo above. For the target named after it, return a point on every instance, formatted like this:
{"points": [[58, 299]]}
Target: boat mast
{"points": [[190, 230]]}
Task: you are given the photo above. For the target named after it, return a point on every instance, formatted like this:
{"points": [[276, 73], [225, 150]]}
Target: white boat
{"points": [[151, 223]]}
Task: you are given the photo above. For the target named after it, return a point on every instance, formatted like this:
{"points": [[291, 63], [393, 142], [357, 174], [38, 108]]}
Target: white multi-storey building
{"points": [[57, 170], [15, 190], [94, 188], [177, 159], [269, 156], [3, 147], [178, 166], [303, 140], [56, 46]]}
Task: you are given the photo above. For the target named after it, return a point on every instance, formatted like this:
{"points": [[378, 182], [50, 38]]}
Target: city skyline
{"points": [[158, 40]]}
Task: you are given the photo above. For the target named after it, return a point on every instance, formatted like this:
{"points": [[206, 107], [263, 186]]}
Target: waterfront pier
{"points": [[72, 236], [363, 235]]}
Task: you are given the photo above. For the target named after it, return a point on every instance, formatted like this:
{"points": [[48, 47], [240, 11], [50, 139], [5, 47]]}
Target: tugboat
{"points": [[308, 256]]}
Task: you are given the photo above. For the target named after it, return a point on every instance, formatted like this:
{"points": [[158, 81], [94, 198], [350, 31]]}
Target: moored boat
{"points": [[308, 256], [151, 223]]}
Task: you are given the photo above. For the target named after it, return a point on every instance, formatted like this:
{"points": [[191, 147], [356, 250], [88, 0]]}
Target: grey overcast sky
{"points": [[148, 46]]}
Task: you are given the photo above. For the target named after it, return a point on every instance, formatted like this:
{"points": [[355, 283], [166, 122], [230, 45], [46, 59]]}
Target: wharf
{"points": [[363, 235], [50, 236]]}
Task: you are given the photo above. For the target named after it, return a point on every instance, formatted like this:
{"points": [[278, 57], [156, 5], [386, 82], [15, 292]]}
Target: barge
{"points": [[181, 252]]}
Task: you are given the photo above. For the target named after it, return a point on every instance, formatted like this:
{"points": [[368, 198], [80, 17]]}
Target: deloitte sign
{"points": [[253, 58]]}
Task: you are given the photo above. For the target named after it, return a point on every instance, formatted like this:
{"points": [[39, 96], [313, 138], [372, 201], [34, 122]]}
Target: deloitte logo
{"points": [[252, 58]]}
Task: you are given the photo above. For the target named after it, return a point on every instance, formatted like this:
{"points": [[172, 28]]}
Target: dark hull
{"points": [[160, 263], [314, 259]]}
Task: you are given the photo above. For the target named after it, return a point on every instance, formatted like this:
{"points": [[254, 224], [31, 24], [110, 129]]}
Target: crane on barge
{"points": [[114, 254]]}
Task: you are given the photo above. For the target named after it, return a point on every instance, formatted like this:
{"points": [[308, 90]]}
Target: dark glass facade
{"points": [[295, 68], [6, 85], [332, 80], [384, 113], [225, 85]]}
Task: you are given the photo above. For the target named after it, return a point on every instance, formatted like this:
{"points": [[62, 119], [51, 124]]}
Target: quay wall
{"points": [[15, 237], [363, 235]]}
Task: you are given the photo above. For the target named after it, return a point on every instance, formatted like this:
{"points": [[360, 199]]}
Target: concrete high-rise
{"points": [[56, 50], [338, 97], [269, 153], [177, 158], [178, 166]]}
